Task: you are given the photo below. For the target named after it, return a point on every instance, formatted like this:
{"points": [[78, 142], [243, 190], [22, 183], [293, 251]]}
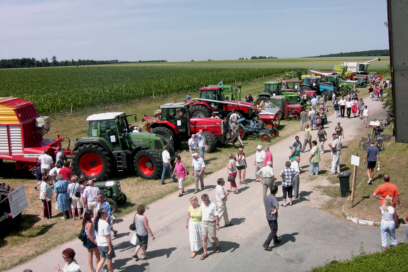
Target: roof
{"points": [[103, 116], [173, 105], [211, 88], [290, 81], [14, 102], [273, 82]]}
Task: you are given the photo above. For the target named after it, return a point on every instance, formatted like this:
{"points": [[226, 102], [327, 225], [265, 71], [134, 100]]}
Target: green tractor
{"points": [[274, 88], [112, 191], [111, 146]]}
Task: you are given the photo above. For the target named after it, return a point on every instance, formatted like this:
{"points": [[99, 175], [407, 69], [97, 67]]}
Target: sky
{"points": [[184, 30]]}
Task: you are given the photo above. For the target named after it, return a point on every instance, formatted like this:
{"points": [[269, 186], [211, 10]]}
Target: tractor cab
{"points": [[111, 126], [291, 85], [228, 93], [312, 82], [177, 114], [273, 87]]}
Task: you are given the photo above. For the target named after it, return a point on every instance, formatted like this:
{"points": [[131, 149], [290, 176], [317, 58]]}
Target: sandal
{"points": [[136, 258], [144, 258], [203, 256], [218, 249], [193, 255]]}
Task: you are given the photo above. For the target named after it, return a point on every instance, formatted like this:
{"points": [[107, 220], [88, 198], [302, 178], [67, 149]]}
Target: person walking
{"points": [[365, 116], [89, 195], [193, 144], [339, 131], [322, 136], [142, 230], [232, 172], [181, 170], [314, 159], [388, 221], [241, 165], [75, 195], [103, 204], [104, 240], [259, 161], [210, 223], [198, 170], [335, 147], [312, 117], [386, 189], [166, 164], [221, 201], [46, 196], [296, 179], [268, 156], [90, 242], [308, 138], [323, 117], [303, 119], [71, 265], [235, 133], [342, 104], [372, 156], [349, 104], [62, 197], [202, 142], [271, 208], [298, 147], [194, 227], [268, 177], [287, 175], [336, 108]]}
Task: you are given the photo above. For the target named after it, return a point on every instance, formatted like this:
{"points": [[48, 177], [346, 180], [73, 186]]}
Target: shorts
{"points": [[103, 250], [311, 121], [76, 202], [208, 228], [142, 241], [45, 171], [241, 167], [371, 164], [88, 244], [287, 190], [303, 122]]}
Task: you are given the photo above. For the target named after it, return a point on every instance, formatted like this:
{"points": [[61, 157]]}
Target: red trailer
{"points": [[21, 133]]}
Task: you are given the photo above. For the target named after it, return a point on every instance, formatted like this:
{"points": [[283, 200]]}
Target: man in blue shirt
{"points": [[371, 156], [299, 147], [188, 97], [103, 204]]}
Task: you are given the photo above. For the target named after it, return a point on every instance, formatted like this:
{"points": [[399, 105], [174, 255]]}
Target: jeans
{"points": [[202, 149], [348, 112], [166, 167], [388, 228], [273, 225], [296, 186], [314, 167]]}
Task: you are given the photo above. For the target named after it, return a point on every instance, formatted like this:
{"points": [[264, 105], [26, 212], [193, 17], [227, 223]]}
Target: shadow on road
{"points": [[285, 238], [361, 200], [228, 246], [240, 190], [160, 252], [119, 235], [125, 245], [131, 268], [237, 221]]}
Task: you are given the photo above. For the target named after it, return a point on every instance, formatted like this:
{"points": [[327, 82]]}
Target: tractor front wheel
{"points": [[148, 164], [265, 138], [200, 112], [92, 160]]}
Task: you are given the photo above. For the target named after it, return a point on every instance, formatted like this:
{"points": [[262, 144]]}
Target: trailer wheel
{"points": [[93, 161], [274, 132], [200, 111], [261, 101], [148, 164], [211, 142], [167, 133], [265, 138]]}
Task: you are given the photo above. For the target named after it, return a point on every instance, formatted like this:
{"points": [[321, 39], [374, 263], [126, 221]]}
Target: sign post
{"points": [[355, 160], [18, 201]]}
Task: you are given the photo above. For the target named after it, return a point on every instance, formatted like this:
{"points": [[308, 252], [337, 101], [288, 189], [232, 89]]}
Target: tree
{"points": [[54, 61]]}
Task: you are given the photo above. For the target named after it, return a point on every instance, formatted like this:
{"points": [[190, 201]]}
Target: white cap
{"points": [[269, 163], [259, 147], [194, 154]]}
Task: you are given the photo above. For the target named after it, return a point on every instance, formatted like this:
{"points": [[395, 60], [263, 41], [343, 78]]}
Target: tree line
{"points": [[367, 53], [32, 62]]}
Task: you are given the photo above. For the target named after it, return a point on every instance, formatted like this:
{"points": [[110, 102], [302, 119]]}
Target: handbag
{"points": [[132, 227], [230, 179], [82, 235], [77, 194]]}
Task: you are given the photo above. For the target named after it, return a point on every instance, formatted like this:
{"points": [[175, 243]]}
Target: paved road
{"points": [[310, 237]]}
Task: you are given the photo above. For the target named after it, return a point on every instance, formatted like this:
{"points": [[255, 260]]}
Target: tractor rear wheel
{"points": [[211, 142], [261, 101], [148, 163], [92, 160], [167, 133], [200, 111]]}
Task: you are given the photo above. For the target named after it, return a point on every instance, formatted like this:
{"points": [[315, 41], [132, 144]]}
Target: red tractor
{"points": [[221, 100], [175, 125], [21, 133]]}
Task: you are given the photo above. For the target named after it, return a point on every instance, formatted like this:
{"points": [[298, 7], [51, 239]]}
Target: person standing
{"points": [[62, 197], [193, 144], [232, 172], [241, 165], [202, 142], [333, 99], [75, 195], [166, 164], [103, 204], [388, 221], [268, 177], [234, 117], [287, 175], [66, 171], [188, 97], [349, 104], [322, 136], [360, 107], [46, 162], [142, 230], [308, 138], [89, 195], [335, 147], [271, 208], [90, 242], [314, 159], [235, 133], [303, 119], [210, 223], [336, 108], [386, 189], [250, 98], [181, 170], [296, 181], [314, 101], [339, 131], [259, 161], [299, 144], [342, 104], [365, 116], [46, 196], [226, 127], [312, 117], [268, 156], [104, 240], [221, 201], [198, 170], [294, 152], [60, 155], [372, 156]]}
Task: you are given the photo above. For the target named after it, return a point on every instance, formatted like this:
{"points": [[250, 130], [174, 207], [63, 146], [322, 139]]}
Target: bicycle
{"points": [[365, 142]]}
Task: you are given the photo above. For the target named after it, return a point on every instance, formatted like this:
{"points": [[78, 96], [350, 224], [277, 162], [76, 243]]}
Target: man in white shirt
{"points": [[89, 196], [312, 116], [198, 169], [209, 224], [349, 104], [202, 142], [104, 241], [193, 144], [335, 147], [46, 162], [259, 160], [268, 177], [342, 104], [314, 101], [166, 165], [295, 165], [221, 200]]}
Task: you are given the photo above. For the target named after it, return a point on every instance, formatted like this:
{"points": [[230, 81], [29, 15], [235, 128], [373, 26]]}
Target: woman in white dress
{"points": [[193, 225]]}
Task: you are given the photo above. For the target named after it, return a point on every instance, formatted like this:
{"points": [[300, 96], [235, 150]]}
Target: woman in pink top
{"points": [[181, 172], [268, 156]]}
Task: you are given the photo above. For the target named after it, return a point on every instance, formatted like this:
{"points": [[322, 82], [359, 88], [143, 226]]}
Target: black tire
{"points": [[112, 204], [295, 117], [148, 163], [95, 154], [167, 133], [261, 101], [211, 142], [363, 144], [122, 199], [200, 111], [326, 92]]}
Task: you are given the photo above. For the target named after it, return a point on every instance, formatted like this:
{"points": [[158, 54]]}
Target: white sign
{"points": [[113, 139], [355, 160], [32, 155], [178, 123], [18, 201]]}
